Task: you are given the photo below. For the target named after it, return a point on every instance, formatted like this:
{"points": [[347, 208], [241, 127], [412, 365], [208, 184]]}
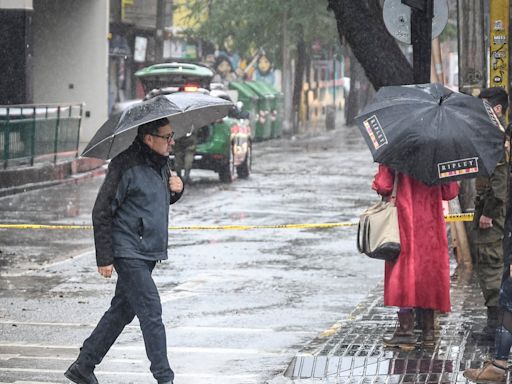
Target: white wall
{"points": [[15, 4], [71, 57]]}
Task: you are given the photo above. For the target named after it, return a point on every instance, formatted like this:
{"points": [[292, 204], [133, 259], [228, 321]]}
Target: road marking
{"points": [[175, 328], [135, 348], [71, 358], [39, 268], [7, 356], [48, 324], [29, 382], [144, 374]]}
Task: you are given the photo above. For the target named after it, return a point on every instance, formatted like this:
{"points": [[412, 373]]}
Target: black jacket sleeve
{"points": [[102, 215]]}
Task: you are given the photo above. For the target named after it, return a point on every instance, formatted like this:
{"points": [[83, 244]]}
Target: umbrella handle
{"points": [[169, 169], [170, 173]]}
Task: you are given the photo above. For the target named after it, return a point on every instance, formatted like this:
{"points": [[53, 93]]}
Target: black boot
{"points": [[428, 328], [403, 337], [77, 375], [488, 333], [418, 319]]}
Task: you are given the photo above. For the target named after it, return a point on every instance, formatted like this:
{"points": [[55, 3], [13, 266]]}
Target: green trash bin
{"points": [[276, 110], [265, 100], [250, 99]]}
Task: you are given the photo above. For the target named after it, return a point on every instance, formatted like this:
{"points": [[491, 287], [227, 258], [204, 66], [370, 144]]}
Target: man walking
{"points": [[130, 219], [488, 223]]}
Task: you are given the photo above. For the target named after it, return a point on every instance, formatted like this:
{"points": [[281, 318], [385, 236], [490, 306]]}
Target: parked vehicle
{"points": [[225, 146]]}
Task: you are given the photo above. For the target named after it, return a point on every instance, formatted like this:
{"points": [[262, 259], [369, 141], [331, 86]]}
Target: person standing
{"points": [[130, 219], [184, 151], [420, 277], [488, 224]]}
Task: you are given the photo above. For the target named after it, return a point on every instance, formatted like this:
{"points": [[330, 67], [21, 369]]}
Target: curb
{"points": [[81, 174]]}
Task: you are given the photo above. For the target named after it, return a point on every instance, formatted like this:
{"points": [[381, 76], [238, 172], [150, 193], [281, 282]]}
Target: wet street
{"points": [[238, 304]]}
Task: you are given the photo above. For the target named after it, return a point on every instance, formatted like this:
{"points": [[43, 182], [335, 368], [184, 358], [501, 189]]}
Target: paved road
{"points": [[237, 305]]}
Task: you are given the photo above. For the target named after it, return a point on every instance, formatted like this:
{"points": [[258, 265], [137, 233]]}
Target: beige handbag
{"points": [[378, 234]]}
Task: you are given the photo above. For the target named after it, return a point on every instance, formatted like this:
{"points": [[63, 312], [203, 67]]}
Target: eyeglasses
{"points": [[166, 137]]}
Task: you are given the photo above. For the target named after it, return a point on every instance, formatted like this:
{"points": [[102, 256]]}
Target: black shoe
{"points": [[73, 373]]}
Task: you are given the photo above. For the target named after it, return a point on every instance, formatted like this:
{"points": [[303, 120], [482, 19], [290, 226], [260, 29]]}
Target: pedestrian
{"points": [[420, 277], [489, 222], [130, 219], [184, 151], [495, 370]]}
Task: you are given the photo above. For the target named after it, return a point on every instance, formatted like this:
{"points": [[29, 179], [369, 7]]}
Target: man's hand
{"points": [[485, 222], [175, 183], [106, 271]]}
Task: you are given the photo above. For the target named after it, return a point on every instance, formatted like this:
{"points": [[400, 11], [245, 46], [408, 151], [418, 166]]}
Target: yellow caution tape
{"points": [[454, 217], [457, 217]]}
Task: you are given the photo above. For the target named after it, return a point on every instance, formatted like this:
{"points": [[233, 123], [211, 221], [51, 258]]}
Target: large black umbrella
{"points": [[186, 111], [431, 133]]}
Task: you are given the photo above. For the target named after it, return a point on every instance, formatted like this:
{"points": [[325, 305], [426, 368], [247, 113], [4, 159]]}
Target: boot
{"points": [[428, 328], [488, 333], [403, 337], [418, 317], [78, 376], [490, 373]]}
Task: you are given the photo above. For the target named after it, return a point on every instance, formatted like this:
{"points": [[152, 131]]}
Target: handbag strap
{"points": [[393, 193]]}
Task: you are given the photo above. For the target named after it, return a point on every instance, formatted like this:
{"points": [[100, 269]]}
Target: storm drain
{"points": [[371, 368]]}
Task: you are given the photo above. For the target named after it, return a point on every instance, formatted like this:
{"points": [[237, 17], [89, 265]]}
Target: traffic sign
{"points": [[397, 18]]}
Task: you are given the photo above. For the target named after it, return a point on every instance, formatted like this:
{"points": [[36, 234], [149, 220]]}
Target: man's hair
{"points": [[151, 127], [495, 96]]}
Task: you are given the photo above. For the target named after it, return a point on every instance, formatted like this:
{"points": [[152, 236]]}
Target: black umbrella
{"points": [[186, 111], [431, 133]]}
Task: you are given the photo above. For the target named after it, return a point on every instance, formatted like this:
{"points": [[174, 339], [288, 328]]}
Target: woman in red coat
{"points": [[420, 277]]}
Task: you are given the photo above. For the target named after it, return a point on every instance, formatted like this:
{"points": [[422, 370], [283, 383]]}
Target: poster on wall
{"points": [[141, 43], [499, 43]]}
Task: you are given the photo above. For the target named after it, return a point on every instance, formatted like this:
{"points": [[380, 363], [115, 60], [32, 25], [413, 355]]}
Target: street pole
{"points": [[159, 32], [422, 13], [334, 80]]}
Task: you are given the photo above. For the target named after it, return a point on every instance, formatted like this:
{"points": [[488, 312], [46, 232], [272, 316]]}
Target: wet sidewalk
{"points": [[352, 351]]}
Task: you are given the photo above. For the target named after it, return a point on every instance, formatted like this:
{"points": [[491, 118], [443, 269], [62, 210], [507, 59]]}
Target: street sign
{"points": [[498, 41], [397, 18]]}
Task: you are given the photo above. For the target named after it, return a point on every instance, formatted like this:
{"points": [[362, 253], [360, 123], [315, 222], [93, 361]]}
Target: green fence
{"points": [[32, 134]]}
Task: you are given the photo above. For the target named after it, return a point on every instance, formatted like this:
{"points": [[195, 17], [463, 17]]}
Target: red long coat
{"points": [[420, 277]]}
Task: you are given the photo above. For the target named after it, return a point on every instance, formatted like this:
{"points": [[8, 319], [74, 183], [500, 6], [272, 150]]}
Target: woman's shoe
{"points": [[403, 337], [428, 331]]}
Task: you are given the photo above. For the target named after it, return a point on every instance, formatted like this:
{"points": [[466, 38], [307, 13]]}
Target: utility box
{"points": [[250, 100], [265, 100], [276, 110]]}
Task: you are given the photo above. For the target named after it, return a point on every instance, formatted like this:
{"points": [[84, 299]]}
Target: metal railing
{"points": [[32, 134]]}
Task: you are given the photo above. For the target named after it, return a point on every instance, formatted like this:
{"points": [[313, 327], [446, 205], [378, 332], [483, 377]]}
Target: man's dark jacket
{"points": [[131, 213]]}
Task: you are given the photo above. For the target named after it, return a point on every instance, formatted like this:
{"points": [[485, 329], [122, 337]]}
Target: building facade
{"points": [[58, 53]]}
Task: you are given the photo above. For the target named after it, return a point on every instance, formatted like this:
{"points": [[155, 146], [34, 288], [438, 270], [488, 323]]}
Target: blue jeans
{"points": [[136, 295]]}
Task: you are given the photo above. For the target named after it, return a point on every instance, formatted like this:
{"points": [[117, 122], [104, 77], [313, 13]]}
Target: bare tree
{"points": [[360, 23]]}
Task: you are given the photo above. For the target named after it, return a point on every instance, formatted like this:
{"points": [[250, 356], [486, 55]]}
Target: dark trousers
{"points": [[136, 295], [489, 270]]}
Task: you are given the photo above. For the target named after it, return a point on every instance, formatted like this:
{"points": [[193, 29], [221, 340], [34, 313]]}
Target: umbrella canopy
{"points": [[186, 111], [431, 133]]}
